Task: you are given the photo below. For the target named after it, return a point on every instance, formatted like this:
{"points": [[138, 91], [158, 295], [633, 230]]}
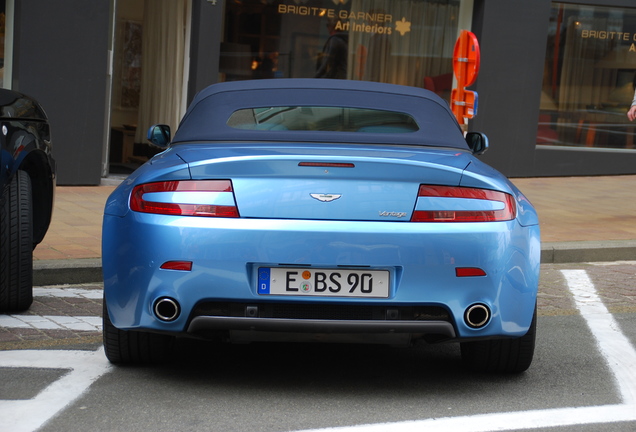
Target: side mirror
{"points": [[477, 142], [159, 135]]}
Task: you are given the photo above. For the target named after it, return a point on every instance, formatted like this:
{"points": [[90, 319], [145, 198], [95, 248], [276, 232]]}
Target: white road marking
{"points": [[619, 354], [51, 322], [68, 292], [84, 367], [48, 322], [613, 345]]}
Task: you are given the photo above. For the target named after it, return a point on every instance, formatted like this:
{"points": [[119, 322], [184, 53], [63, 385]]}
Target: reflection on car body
{"points": [[337, 210]]}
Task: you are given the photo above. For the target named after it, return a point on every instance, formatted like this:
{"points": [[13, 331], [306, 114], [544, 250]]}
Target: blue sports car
{"points": [[327, 210]]}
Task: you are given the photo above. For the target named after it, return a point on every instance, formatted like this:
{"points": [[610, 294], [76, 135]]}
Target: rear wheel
{"points": [[134, 347], [16, 245], [501, 355]]}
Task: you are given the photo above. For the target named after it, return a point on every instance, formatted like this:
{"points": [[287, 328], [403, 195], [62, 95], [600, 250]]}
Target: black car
{"points": [[27, 187]]}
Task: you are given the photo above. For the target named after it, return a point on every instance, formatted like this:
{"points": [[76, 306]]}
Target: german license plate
{"points": [[323, 282]]}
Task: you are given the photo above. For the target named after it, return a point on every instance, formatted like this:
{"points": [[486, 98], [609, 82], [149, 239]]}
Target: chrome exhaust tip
{"points": [[166, 309], [477, 315]]}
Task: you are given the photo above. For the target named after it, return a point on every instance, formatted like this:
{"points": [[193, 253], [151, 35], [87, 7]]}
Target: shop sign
{"points": [[352, 21], [611, 35]]}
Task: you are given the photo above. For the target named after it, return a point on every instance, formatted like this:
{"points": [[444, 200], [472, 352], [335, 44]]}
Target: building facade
{"points": [[555, 82]]}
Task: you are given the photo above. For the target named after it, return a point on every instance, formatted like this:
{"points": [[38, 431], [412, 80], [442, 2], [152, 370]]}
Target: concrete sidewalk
{"points": [[582, 219]]}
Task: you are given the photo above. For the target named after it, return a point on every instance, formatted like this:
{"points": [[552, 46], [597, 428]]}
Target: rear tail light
{"points": [[211, 198], [460, 204]]}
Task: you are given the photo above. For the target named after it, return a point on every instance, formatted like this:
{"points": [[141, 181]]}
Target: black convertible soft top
{"points": [[207, 117]]}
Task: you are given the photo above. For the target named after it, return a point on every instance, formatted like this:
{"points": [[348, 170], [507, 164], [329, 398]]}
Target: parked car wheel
{"points": [[501, 355], [16, 248], [134, 347]]}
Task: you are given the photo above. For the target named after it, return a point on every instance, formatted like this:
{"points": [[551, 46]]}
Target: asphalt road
{"points": [[54, 377]]}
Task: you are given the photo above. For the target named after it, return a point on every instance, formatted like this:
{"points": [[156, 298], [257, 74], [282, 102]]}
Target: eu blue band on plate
{"points": [[263, 281]]}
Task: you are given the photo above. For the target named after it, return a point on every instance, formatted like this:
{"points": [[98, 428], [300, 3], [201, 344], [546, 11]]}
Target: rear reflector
{"points": [[469, 272], [210, 198], [177, 265], [460, 204]]}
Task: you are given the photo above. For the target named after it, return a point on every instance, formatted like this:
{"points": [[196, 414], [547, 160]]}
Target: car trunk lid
{"points": [[325, 183]]}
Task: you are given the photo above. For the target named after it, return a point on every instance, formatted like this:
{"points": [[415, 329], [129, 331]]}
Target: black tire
{"points": [[16, 245], [134, 347], [501, 355]]}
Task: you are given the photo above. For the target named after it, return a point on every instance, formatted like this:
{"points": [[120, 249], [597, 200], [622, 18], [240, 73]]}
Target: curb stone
{"points": [[588, 251], [62, 272]]}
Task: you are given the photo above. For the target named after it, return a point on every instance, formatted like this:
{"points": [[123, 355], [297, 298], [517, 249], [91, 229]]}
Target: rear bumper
{"points": [[202, 324], [226, 254]]}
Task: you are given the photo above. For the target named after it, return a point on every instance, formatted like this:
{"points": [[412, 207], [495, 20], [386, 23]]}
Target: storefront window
{"points": [[407, 42], [589, 77]]}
